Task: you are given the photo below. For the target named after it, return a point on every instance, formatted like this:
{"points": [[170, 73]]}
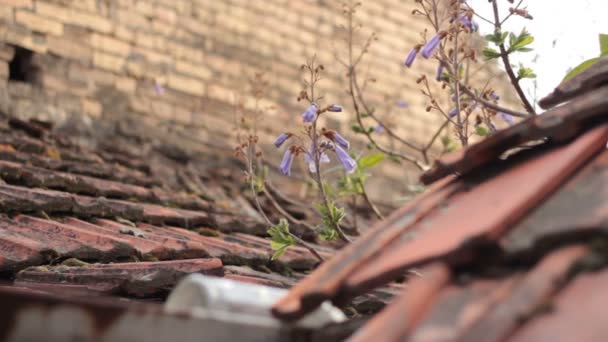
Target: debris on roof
{"points": [[507, 239]]}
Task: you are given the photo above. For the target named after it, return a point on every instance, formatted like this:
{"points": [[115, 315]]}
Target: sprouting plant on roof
{"points": [[315, 145], [256, 175]]}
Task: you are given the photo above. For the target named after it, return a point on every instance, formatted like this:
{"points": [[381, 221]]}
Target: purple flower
{"points": [[411, 57], [309, 158], [452, 113], [379, 128], [334, 108], [494, 96], [439, 72], [469, 23], [402, 104], [431, 46], [348, 163], [282, 138], [286, 162], [507, 118], [310, 113], [474, 26], [158, 88], [337, 138]]}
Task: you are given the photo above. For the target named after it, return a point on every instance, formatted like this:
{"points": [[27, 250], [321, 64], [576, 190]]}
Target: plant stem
{"points": [[504, 55], [256, 200]]}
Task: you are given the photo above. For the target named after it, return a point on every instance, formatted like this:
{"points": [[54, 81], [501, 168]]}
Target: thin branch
{"points": [[494, 106], [369, 201], [504, 55]]}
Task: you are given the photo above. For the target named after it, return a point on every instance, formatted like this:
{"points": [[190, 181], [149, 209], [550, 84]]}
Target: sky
{"points": [[565, 32]]}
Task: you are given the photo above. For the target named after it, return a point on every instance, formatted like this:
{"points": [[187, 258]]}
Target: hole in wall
{"points": [[21, 67]]}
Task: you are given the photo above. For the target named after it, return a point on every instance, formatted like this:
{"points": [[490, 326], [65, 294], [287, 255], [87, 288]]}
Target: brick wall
{"points": [[101, 58]]}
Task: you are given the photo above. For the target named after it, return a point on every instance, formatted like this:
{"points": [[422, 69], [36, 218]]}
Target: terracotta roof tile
{"points": [[393, 323], [537, 286], [577, 210], [576, 314], [457, 307], [559, 124], [141, 279]]}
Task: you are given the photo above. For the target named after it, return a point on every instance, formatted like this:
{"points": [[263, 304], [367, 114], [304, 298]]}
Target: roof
{"points": [[510, 236], [122, 211]]}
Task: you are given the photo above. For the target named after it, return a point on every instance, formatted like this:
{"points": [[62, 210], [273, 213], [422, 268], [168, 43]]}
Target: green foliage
{"points": [[603, 44], [517, 43], [520, 42], [524, 72], [490, 53], [357, 128], [281, 238], [481, 131], [370, 160], [332, 217], [603, 41], [258, 181], [448, 144], [352, 184], [580, 68], [497, 38]]}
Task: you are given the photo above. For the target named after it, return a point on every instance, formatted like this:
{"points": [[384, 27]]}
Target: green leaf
{"points": [[580, 68], [490, 53], [370, 160], [279, 252], [357, 129], [281, 238], [497, 37], [603, 44], [481, 131], [524, 72], [521, 43]]}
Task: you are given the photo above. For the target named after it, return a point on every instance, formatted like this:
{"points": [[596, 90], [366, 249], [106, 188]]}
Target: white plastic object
{"points": [[239, 302]]}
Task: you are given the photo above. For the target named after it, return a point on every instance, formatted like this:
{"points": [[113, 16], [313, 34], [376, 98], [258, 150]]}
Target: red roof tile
{"points": [[141, 279], [576, 314]]}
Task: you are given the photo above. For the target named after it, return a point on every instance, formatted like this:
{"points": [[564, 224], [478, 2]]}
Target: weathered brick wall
{"points": [[98, 58]]}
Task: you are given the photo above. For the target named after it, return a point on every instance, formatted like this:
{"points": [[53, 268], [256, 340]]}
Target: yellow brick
{"points": [[140, 104], [38, 23], [69, 15], [34, 42], [181, 51], [110, 45], [6, 52], [152, 56], [92, 108], [220, 93], [4, 71], [199, 71], [108, 62], [69, 48], [6, 13], [124, 33], [126, 84], [186, 85], [150, 41], [182, 115], [17, 3]]}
